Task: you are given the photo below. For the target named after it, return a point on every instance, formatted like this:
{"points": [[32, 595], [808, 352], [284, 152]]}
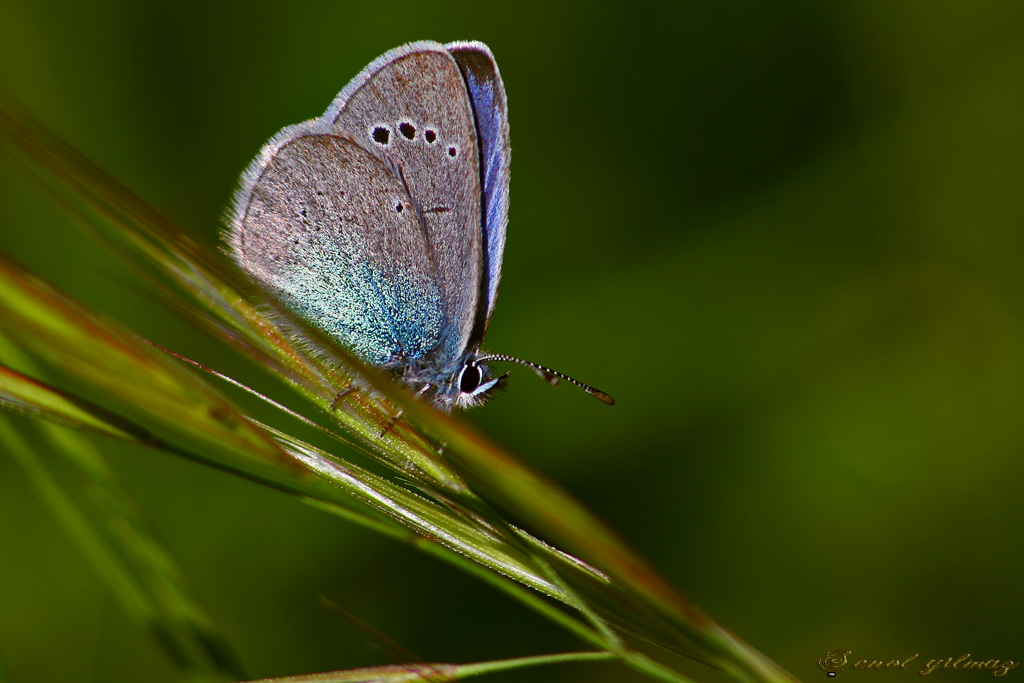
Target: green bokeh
{"points": [[787, 236]]}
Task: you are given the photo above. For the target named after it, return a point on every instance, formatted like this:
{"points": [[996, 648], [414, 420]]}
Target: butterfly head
{"points": [[471, 381], [476, 383], [466, 383]]}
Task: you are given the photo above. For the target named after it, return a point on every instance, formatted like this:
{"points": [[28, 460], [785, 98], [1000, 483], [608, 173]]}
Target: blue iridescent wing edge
{"points": [[490, 108]]}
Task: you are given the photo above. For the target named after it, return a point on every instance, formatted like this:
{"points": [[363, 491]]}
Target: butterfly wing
{"points": [[490, 109], [330, 228], [411, 108]]}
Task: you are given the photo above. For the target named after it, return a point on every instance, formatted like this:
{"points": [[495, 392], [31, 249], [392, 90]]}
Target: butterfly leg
{"points": [[401, 411], [392, 423], [341, 394]]}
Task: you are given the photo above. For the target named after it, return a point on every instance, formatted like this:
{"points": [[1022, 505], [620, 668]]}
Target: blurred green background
{"points": [[787, 236]]}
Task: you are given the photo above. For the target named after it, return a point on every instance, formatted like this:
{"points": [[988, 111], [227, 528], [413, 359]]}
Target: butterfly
{"points": [[383, 222]]}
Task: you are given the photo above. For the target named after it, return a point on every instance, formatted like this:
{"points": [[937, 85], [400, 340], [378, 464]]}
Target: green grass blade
{"points": [[422, 517], [187, 641], [484, 479], [439, 673], [416, 513], [138, 568], [46, 305], [26, 396], [120, 365]]}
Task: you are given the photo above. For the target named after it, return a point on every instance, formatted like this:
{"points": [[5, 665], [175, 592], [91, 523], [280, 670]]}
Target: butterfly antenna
{"points": [[551, 376]]}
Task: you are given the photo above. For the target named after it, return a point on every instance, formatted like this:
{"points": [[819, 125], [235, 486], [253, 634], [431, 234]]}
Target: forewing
{"points": [[490, 108], [411, 107], [329, 227]]}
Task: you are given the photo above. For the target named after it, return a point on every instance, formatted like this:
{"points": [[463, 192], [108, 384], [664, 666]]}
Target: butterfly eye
{"points": [[470, 379]]}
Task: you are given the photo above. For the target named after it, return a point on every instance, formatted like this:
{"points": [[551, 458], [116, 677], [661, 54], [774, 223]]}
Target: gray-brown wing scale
{"points": [[411, 107], [328, 227]]}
